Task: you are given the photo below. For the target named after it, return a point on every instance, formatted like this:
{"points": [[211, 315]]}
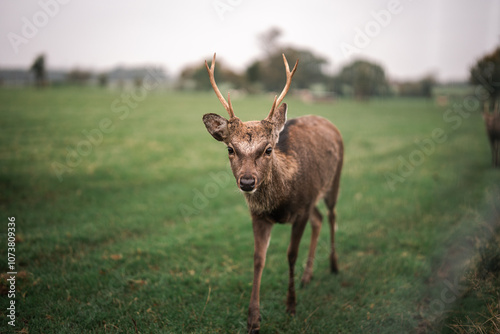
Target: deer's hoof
{"points": [[253, 324], [290, 309], [333, 264], [253, 329], [305, 281]]}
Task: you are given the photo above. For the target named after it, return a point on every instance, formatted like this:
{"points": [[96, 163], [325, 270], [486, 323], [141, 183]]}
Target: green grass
{"points": [[144, 229]]}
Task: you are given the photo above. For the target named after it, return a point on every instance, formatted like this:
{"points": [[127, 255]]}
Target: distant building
{"points": [[16, 77], [119, 78], [129, 78], [23, 77]]}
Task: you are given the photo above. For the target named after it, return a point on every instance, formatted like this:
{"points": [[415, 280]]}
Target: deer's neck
{"points": [[276, 187]]}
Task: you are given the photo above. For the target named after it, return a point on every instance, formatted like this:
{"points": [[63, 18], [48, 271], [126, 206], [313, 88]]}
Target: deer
{"points": [[283, 168], [492, 122]]}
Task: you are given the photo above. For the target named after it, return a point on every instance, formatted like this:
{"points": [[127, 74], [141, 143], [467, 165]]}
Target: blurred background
{"points": [[100, 43]]}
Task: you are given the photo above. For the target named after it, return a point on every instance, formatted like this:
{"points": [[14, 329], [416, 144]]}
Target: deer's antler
{"points": [[226, 105], [289, 75]]}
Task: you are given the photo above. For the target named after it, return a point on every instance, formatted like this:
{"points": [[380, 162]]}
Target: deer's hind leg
{"points": [[331, 201], [496, 153], [298, 227]]}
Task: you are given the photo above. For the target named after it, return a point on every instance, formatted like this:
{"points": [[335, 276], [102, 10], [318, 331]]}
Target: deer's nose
{"points": [[247, 183]]}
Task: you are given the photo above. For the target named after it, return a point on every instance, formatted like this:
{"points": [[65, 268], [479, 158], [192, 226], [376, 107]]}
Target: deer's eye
{"points": [[269, 150], [230, 150]]}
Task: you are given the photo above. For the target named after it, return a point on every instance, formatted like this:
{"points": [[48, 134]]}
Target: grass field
{"points": [[128, 219]]}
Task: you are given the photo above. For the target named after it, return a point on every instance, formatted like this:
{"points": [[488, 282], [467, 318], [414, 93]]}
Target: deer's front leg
{"points": [[262, 235], [293, 251]]}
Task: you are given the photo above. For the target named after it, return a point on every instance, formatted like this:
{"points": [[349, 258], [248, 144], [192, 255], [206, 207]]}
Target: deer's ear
{"points": [[279, 118], [216, 126]]}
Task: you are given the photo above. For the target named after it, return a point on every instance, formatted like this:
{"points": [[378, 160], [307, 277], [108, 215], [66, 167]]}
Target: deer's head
{"points": [[251, 144]]}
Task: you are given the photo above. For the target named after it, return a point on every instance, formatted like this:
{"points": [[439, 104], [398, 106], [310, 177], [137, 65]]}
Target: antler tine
{"points": [[289, 75], [230, 111], [273, 107], [211, 74]]}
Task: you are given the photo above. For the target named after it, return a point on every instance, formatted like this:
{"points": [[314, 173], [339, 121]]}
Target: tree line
{"points": [[360, 79]]}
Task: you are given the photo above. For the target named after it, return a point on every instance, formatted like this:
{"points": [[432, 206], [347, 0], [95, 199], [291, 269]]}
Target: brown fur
{"points": [[492, 122], [303, 166]]}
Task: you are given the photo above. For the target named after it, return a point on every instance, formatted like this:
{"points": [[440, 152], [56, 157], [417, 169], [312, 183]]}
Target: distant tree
{"points": [[311, 67], [196, 77], [486, 72], [78, 77], [38, 68], [309, 72], [103, 79], [253, 75], [364, 78], [419, 88], [268, 72], [253, 72], [427, 84], [268, 41], [335, 85]]}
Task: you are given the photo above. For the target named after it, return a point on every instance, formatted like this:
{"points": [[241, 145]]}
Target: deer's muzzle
{"points": [[247, 183]]}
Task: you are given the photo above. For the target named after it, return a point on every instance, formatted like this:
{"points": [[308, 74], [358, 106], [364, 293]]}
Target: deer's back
{"points": [[311, 134], [316, 146]]}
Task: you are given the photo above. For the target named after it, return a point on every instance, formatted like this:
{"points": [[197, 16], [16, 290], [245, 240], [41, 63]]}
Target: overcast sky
{"points": [[409, 38]]}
